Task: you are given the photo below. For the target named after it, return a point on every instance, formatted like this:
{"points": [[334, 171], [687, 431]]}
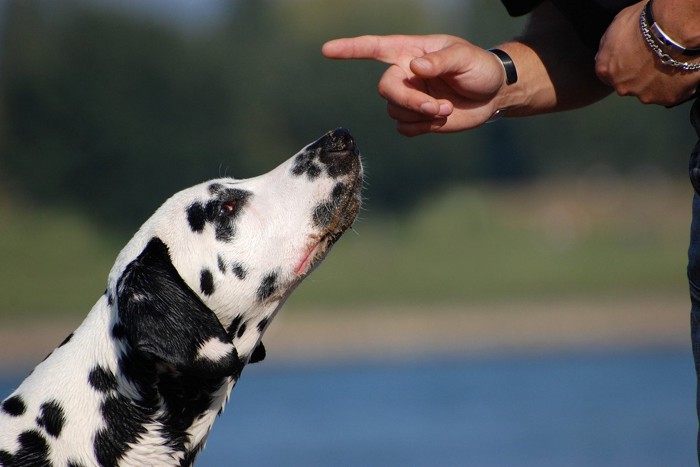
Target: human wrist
{"points": [[679, 19], [532, 93], [509, 69], [510, 77], [668, 50]]}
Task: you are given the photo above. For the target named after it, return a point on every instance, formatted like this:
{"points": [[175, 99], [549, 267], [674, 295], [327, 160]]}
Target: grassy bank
{"points": [[51, 262], [551, 239]]}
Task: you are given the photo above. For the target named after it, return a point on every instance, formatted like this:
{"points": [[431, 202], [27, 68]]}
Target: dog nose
{"points": [[338, 152], [340, 141], [336, 143]]}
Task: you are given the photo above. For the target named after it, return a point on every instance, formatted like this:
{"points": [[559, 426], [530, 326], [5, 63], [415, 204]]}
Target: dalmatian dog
{"points": [[143, 378]]}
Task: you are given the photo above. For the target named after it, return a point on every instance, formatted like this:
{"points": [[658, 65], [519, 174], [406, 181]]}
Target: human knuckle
{"points": [[382, 89], [603, 72], [407, 130], [392, 111]]}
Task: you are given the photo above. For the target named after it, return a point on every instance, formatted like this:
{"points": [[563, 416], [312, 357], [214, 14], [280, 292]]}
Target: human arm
{"points": [[627, 63], [446, 84]]}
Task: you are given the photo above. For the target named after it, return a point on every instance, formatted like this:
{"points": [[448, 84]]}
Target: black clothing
{"points": [[590, 18]]}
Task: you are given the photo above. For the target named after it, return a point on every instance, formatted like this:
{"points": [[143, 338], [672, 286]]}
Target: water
{"points": [[606, 408]]}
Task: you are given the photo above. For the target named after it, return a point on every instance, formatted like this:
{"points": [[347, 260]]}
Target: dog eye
{"points": [[227, 209]]}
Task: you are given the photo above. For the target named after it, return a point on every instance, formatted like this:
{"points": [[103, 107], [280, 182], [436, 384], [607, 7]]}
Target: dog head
{"points": [[203, 277]]}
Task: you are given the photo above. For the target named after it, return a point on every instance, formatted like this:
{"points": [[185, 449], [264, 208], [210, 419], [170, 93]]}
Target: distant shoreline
{"points": [[403, 331]]}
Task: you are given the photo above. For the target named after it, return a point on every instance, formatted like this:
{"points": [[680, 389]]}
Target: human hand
{"points": [[626, 63], [435, 83]]}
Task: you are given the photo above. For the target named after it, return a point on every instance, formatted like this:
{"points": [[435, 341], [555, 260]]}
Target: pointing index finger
{"points": [[362, 47]]}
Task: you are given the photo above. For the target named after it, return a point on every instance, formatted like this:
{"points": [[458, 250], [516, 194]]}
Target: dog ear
{"points": [[162, 317]]}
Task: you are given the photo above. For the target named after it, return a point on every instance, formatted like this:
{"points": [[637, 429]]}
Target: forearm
{"points": [[555, 70], [633, 61]]}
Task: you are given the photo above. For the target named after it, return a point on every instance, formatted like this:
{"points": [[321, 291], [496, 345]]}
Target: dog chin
{"points": [[313, 255], [319, 246]]}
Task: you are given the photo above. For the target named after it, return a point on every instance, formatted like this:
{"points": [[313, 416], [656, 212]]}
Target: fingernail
{"points": [[421, 63], [430, 108], [445, 109]]}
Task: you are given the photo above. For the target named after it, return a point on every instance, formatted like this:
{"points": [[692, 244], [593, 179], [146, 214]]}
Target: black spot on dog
{"points": [[33, 451], [304, 164], [110, 298], [267, 287], [302, 161], [241, 330], [212, 209], [14, 406], [233, 327], [118, 331], [339, 191], [215, 188], [323, 214], [221, 264], [196, 217], [51, 418], [263, 324], [258, 354], [102, 380], [313, 171], [337, 165], [66, 340], [72, 463], [124, 423], [206, 282], [222, 211], [224, 230], [239, 271]]}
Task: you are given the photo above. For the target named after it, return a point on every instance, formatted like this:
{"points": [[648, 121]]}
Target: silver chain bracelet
{"points": [[664, 57]]}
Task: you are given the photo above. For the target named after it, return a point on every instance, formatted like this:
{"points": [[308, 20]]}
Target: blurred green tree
{"points": [[110, 112], [104, 112]]}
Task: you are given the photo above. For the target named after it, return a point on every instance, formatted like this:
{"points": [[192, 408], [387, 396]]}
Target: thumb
{"points": [[453, 59], [470, 71]]}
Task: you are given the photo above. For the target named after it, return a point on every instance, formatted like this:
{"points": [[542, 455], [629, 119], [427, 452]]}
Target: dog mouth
{"points": [[343, 212], [339, 156], [310, 257]]}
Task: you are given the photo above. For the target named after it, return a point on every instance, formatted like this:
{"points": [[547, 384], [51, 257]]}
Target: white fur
{"points": [[214, 349]]}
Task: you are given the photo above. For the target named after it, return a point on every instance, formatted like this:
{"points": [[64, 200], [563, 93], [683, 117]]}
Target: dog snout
{"points": [[338, 152], [338, 141], [335, 151]]}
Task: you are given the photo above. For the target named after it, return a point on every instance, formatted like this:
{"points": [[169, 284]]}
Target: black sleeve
{"points": [[520, 7], [589, 18]]}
